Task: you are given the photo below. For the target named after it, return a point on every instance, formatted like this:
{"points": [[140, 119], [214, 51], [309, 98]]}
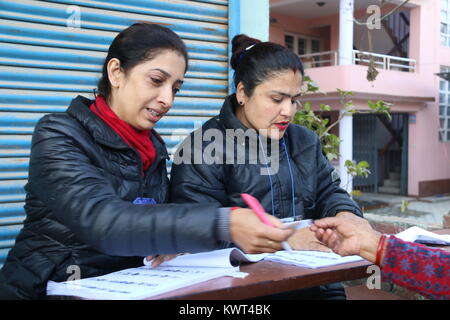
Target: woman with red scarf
{"points": [[97, 186]]}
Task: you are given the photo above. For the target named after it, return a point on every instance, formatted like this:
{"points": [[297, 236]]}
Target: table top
{"points": [[267, 277]]}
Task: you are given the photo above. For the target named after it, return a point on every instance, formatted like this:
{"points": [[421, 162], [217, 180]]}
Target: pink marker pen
{"points": [[254, 204]]}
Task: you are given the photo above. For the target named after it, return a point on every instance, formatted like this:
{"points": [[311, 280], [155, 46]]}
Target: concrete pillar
{"points": [[345, 150], [345, 32], [345, 58], [250, 17], [254, 18]]}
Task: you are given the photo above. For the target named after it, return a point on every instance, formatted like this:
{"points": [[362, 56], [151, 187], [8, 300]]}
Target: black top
{"points": [[83, 179], [316, 183]]}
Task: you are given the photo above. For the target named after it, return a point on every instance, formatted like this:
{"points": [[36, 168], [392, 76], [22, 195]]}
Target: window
{"points": [[444, 107], [289, 41], [315, 45], [445, 23], [302, 45]]}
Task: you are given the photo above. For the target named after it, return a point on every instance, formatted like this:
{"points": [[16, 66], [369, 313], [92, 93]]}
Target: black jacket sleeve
{"points": [[192, 182], [330, 197], [62, 176]]}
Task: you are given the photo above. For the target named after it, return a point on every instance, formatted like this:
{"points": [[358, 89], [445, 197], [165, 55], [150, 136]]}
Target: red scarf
{"points": [[138, 140]]}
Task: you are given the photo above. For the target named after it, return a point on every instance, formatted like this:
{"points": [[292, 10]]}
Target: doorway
{"points": [[383, 143]]}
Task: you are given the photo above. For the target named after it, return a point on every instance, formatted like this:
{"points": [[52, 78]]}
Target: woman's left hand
{"points": [[305, 239], [157, 260]]}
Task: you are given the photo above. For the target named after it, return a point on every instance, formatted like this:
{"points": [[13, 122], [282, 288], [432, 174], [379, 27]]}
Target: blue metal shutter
{"points": [[44, 64]]}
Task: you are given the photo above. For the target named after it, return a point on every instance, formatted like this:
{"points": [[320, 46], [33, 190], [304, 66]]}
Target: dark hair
{"points": [[137, 43], [254, 61]]}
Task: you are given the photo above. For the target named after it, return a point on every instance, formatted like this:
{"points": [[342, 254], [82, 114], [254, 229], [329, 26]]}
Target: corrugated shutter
{"points": [[44, 64]]}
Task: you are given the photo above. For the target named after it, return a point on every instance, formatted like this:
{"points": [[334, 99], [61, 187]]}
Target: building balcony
{"points": [[398, 80], [381, 61]]}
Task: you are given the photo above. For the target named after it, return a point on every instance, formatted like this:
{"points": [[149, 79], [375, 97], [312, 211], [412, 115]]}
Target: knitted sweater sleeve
{"points": [[418, 268]]}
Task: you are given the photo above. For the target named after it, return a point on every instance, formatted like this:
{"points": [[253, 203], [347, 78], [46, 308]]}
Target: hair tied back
{"points": [[244, 52]]}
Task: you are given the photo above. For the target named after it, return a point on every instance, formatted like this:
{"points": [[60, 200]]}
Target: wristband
{"points": [[380, 250]]}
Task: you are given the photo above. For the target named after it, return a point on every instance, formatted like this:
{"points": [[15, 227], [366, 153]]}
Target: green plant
{"points": [[361, 169], [315, 121], [404, 206]]}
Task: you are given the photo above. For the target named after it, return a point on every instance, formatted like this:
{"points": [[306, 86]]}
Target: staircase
{"points": [[391, 185]]}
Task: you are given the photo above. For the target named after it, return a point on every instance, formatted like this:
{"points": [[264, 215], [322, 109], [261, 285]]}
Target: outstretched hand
{"points": [[347, 234]]}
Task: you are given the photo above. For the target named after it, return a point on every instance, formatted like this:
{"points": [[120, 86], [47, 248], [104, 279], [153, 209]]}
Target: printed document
{"points": [[234, 256], [137, 283], [416, 234], [184, 270], [311, 259], [224, 258]]}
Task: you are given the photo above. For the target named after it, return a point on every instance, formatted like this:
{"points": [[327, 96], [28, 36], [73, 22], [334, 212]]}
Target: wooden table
{"points": [[268, 277]]}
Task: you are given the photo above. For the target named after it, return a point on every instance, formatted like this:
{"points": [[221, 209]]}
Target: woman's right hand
{"points": [[251, 235], [305, 239]]}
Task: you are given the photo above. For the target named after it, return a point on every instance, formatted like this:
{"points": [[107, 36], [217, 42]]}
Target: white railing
{"points": [[330, 58], [319, 59], [384, 61]]}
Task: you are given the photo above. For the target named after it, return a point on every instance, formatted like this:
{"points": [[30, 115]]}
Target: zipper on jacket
{"points": [[280, 190], [143, 190]]}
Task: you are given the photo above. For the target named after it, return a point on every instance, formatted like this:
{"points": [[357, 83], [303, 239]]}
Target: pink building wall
{"points": [[310, 27], [429, 159], [415, 93]]}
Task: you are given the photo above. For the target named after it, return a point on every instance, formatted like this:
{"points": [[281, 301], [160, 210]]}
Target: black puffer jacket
{"points": [[82, 181], [316, 184]]}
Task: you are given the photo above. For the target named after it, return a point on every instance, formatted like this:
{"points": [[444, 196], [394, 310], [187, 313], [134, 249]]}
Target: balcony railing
{"points": [[384, 61], [320, 59], [330, 58]]}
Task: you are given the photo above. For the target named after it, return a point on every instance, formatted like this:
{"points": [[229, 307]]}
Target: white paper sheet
{"points": [[298, 224], [224, 258], [185, 270], [233, 256], [138, 283], [311, 259], [416, 234]]}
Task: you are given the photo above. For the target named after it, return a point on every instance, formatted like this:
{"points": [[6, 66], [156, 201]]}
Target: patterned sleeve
{"points": [[418, 268]]}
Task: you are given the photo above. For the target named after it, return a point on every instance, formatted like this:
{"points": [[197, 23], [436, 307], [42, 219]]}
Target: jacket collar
{"points": [[101, 132], [227, 114]]}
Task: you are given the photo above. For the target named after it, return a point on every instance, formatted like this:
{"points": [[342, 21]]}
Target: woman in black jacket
{"points": [[98, 181], [251, 147]]}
